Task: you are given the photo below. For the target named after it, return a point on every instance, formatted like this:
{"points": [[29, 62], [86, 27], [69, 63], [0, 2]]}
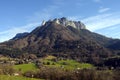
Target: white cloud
{"points": [[20, 29], [112, 31], [97, 22], [39, 16], [74, 18], [101, 10], [105, 24], [48, 12], [44, 14], [10, 33]]}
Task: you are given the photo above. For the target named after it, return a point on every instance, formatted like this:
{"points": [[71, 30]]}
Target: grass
{"points": [[66, 64], [5, 77], [72, 64], [26, 67]]}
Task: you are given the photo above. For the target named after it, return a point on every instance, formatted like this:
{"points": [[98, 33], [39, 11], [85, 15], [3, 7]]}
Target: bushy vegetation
{"points": [[6, 69], [5, 77], [48, 73]]}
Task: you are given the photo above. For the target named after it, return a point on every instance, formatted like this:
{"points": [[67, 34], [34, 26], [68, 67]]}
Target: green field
{"points": [[72, 64], [26, 67], [66, 64], [5, 77]]}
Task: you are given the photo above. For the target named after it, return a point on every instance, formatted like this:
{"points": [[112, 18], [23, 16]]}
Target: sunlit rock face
{"points": [[43, 23], [65, 22]]}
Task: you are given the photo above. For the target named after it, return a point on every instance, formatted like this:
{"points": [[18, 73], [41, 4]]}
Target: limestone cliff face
{"points": [[65, 22]]}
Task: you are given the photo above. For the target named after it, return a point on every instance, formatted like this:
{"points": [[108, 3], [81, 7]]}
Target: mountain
{"points": [[20, 35], [62, 38]]}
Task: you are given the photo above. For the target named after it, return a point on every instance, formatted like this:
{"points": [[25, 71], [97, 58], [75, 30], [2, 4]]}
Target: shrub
{"points": [[48, 73], [6, 69]]}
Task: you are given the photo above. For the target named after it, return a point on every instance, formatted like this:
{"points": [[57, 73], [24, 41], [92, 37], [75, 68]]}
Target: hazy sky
{"points": [[101, 16]]}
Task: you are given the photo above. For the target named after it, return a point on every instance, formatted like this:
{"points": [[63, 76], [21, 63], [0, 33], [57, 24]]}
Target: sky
{"points": [[18, 16]]}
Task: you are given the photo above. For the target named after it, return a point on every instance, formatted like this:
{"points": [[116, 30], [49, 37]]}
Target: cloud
{"points": [[48, 12], [74, 18], [101, 10], [20, 29], [97, 22], [105, 24], [39, 16], [112, 31], [10, 33]]}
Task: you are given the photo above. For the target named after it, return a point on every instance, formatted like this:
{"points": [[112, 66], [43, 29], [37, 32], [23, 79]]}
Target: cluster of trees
{"points": [[113, 62], [84, 74]]}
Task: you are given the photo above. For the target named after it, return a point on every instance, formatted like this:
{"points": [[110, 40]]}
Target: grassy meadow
{"points": [[66, 64], [26, 67]]}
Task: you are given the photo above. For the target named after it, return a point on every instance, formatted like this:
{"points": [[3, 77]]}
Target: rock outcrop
{"points": [[65, 22]]}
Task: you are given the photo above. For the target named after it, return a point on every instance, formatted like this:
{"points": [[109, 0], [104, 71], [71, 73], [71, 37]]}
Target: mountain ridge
{"points": [[20, 35]]}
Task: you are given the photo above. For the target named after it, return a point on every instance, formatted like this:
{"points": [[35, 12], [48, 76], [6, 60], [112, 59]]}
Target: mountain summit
{"points": [[65, 22]]}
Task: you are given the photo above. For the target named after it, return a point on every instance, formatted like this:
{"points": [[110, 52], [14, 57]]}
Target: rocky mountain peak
{"points": [[65, 22]]}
